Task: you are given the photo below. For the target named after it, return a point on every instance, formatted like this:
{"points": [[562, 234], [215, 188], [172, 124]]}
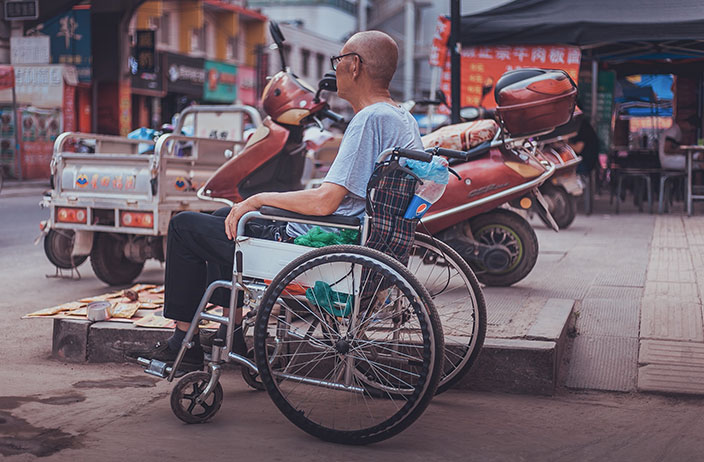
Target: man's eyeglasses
{"points": [[335, 60]]}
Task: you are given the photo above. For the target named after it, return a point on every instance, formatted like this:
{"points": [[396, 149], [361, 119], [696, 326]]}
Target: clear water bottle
{"points": [[435, 177]]}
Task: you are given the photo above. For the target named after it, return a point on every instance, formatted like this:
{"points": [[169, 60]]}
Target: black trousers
{"points": [[198, 252]]}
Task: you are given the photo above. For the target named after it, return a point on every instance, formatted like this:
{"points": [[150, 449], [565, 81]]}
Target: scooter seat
{"points": [[329, 219], [462, 136]]}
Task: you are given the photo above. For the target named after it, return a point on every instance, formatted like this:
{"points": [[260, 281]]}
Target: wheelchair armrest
{"points": [[329, 219]]}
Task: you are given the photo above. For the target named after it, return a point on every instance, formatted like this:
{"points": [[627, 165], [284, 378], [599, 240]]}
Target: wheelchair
{"points": [[347, 341]]}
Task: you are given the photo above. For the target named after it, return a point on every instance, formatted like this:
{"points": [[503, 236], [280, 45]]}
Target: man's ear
{"points": [[356, 68]]}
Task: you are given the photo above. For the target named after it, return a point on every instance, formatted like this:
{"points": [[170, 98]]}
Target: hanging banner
{"points": [[70, 34], [486, 64], [438, 50], [247, 85]]}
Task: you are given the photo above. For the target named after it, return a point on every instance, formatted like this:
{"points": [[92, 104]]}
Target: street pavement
{"points": [[636, 279]]}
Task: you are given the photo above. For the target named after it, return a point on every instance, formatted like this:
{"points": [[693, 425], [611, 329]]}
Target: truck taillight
{"points": [[71, 215], [137, 219]]}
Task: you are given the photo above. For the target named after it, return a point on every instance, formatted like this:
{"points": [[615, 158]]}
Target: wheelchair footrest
{"points": [[155, 367]]}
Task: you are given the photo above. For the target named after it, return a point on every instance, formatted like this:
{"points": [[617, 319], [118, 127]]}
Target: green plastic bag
{"points": [[317, 237], [321, 294]]}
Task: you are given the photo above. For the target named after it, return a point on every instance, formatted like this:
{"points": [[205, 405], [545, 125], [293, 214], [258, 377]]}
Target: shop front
{"points": [[45, 107], [184, 78], [247, 85], [147, 92]]}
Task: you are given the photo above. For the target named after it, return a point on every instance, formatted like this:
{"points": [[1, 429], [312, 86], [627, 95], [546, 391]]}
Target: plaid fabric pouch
{"points": [[390, 233]]}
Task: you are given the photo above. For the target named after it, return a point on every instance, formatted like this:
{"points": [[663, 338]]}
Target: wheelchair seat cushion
{"points": [[329, 219]]}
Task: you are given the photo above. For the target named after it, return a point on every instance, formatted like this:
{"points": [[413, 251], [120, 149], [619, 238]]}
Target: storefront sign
{"points": [[20, 10], [40, 86], [70, 40], [486, 64], [220, 83], [184, 74], [148, 83], [247, 85], [30, 50], [144, 51]]}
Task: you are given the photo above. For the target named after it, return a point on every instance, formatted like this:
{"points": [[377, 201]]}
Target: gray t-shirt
{"points": [[373, 129]]}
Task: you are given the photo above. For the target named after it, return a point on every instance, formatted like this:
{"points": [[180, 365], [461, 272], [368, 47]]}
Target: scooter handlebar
{"points": [[332, 116]]}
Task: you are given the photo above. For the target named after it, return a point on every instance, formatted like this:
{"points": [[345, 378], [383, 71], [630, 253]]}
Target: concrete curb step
{"points": [[524, 365]]}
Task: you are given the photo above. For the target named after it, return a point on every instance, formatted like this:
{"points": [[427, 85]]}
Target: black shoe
{"points": [[192, 360]]}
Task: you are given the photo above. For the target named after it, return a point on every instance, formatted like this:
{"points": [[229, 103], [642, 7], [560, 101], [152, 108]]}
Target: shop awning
{"points": [[672, 28]]}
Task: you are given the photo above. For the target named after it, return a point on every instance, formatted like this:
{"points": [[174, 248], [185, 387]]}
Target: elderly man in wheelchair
{"points": [[346, 341]]}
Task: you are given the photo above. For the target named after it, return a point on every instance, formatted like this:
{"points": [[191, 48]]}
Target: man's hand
{"points": [[234, 216]]}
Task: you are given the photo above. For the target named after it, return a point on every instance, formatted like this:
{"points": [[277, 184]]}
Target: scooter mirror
{"points": [[328, 82], [440, 96], [276, 34], [469, 113]]}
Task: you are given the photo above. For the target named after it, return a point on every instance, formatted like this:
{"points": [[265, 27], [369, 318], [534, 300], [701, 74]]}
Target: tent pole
{"points": [[595, 89], [455, 60]]}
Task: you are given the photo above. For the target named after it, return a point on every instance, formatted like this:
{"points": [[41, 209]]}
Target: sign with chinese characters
{"points": [[184, 74], [20, 10], [220, 82], [486, 64], [144, 51], [30, 50], [247, 85], [438, 50], [70, 40]]}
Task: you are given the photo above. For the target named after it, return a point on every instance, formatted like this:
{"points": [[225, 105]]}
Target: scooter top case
{"points": [[534, 100]]}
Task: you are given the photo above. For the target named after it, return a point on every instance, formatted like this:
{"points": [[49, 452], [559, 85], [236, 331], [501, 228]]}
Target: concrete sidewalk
{"points": [[671, 354]]}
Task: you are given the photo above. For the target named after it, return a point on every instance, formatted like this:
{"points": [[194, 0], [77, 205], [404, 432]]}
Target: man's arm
{"points": [[318, 202]]}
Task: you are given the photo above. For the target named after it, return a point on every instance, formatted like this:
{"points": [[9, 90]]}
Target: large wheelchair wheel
{"points": [[357, 344], [458, 300]]}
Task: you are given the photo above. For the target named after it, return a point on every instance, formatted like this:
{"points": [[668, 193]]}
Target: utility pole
{"points": [[362, 15], [409, 49], [455, 63]]}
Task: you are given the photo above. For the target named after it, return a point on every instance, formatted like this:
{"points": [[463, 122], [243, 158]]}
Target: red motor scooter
{"points": [[274, 156], [504, 166]]}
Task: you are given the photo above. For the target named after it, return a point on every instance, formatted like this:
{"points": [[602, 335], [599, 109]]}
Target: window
{"points": [[165, 28], [233, 48], [204, 36], [321, 64], [305, 62]]}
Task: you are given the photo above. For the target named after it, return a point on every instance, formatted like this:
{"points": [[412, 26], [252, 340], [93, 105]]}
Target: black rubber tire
{"points": [[191, 385], [563, 206], [57, 247], [453, 373], [109, 261], [428, 375], [520, 230]]}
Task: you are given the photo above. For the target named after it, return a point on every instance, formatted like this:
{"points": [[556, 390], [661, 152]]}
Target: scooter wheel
{"points": [[511, 231], [563, 207], [184, 398]]}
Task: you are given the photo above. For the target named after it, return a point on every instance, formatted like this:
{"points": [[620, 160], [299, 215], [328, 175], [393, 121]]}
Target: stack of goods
{"points": [[141, 304]]}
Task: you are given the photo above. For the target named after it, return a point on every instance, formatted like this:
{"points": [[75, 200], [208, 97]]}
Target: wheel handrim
{"points": [[458, 315], [320, 346]]}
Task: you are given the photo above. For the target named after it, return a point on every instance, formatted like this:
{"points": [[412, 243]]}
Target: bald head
{"points": [[379, 54]]}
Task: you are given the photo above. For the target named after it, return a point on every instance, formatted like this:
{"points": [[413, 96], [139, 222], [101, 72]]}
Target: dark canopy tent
{"points": [[628, 36], [676, 25]]}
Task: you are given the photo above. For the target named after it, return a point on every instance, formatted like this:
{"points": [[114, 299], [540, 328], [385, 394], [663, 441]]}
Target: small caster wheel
{"points": [[251, 377], [184, 397]]}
